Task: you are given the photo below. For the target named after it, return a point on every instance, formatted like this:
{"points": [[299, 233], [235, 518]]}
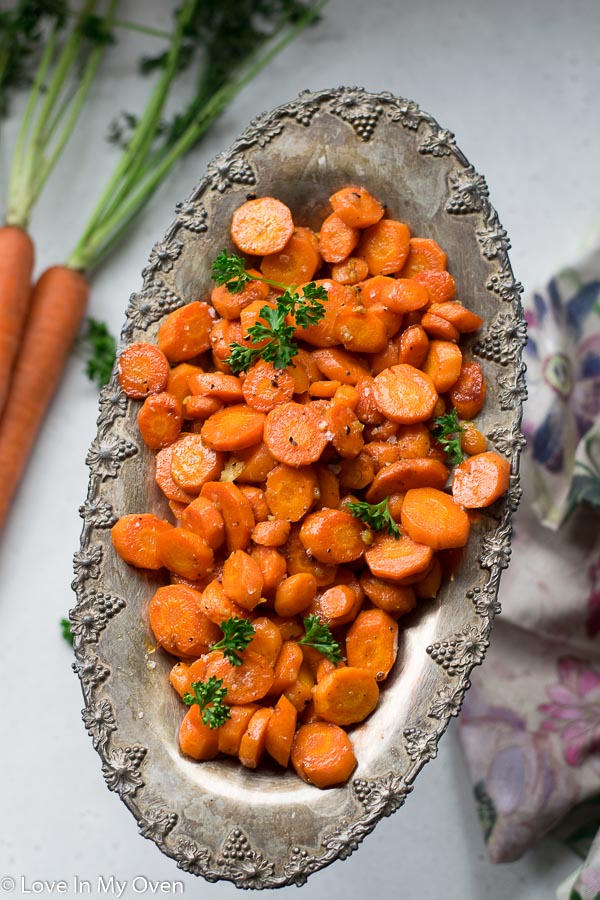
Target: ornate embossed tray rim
{"points": [[129, 766]]}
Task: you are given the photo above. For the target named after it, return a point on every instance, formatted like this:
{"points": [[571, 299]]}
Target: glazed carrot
{"points": [[333, 536], [383, 453], [336, 239], [328, 488], [280, 731], [467, 394], [224, 333], [480, 480], [357, 473], [385, 246], [143, 370], [177, 382], [203, 518], [234, 428], [287, 667], [346, 395], [265, 386], [252, 745], [437, 327], [346, 696], [257, 463], [356, 206], [267, 639], [443, 364], [372, 643], [424, 253], [350, 270], [178, 623], [344, 430], [361, 330], [185, 553], [231, 732], [245, 683], [413, 441], [185, 333], [16, 267], [295, 594], [257, 500], [394, 599], [198, 408], [235, 509], [366, 408], [164, 479], [272, 565], [227, 388], [323, 390], [431, 517], [339, 365], [182, 675], [299, 375], [160, 420], [197, 739], [472, 441], [290, 492], [217, 606], [135, 539], [322, 754], [193, 463], [404, 394], [398, 559], [339, 298], [299, 561], [229, 305], [429, 585], [271, 533], [297, 262], [333, 605], [403, 295], [242, 579], [290, 627], [389, 356], [462, 318], [261, 226], [293, 434], [414, 345], [440, 284]]}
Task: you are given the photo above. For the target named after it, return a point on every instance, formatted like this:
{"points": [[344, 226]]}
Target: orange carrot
{"points": [[252, 745], [280, 731], [242, 579], [336, 239], [185, 333], [356, 206], [197, 739], [385, 246], [346, 695], [16, 267], [480, 480], [394, 599], [414, 345], [143, 370], [291, 492], [442, 364], [350, 270], [398, 559], [160, 420], [261, 226], [333, 536], [431, 517], [271, 533], [265, 386], [405, 474], [424, 253], [135, 539], [234, 428], [372, 643], [295, 594], [178, 622], [404, 394], [467, 394], [293, 434], [297, 262], [322, 754]]}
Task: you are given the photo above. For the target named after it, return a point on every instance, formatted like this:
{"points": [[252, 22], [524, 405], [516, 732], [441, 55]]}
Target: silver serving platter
{"points": [[266, 828]]}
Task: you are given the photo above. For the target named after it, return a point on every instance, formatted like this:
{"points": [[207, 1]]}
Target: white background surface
{"points": [[518, 83]]}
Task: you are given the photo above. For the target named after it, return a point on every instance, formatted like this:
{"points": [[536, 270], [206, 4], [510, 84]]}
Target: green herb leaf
{"points": [[230, 269], [237, 634], [100, 348], [447, 431], [318, 635], [209, 696], [377, 515], [65, 627]]}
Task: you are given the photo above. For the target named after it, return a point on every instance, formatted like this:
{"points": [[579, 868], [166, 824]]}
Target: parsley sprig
{"points": [[237, 634], [377, 515], [65, 629], [209, 696], [318, 635], [447, 431], [99, 347], [280, 347]]}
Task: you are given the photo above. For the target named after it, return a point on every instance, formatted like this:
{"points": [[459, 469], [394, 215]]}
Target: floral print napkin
{"points": [[530, 725]]}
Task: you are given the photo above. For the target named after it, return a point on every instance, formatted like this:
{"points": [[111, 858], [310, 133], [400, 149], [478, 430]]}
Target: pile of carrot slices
{"points": [[267, 471]]}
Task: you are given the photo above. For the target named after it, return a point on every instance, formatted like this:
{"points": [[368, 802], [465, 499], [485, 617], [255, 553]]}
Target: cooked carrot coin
{"points": [[437, 327], [203, 518], [481, 480], [234, 428], [242, 579], [185, 553], [405, 474], [333, 605], [394, 599], [227, 388], [290, 492], [160, 420], [143, 370], [217, 606], [252, 745], [293, 434], [193, 463], [229, 305], [424, 253], [267, 639], [257, 501], [428, 586], [135, 539], [272, 565], [414, 345], [246, 683], [197, 739], [287, 666], [361, 330], [177, 383], [230, 734], [403, 295], [280, 731], [262, 226], [164, 479], [356, 206], [298, 560], [178, 623], [462, 318], [443, 364], [199, 408], [372, 643], [336, 239], [432, 517], [295, 594], [256, 461], [385, 246], [185, 333], [333, 536], [236, 512], [350, 270], [397, 559], [472, 441], [404, 394], [297, 262], [339, 299], [271, 533], [467, 394], [265, 386], [322, 754], [340, 365], [346, 696], [440, 285], [182, 675]]}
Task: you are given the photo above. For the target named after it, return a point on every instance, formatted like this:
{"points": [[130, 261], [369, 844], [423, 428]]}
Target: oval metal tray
{"points": [[267, 828]]}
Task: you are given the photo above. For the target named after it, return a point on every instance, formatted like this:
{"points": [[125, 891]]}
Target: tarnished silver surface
{"points": [[266, 828]]}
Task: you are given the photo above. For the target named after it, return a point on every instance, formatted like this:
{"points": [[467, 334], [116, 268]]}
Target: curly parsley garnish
{"points": [[237, 634], [318, 635], [209, 696], [377, 515], [447, 431]]}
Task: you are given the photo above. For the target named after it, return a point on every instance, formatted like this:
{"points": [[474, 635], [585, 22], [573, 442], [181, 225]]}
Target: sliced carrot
{"points": [[185, 333], [271, 533], [185, 553], [299, 375], [404, 394], [385, 246], [298, 560], [425, 253], [197, 739], [230, 734], [336, 239], [328, 487], [333, 536], [160, 420], [462, 318], [481, 480], [361, 330], [135, 539], [323, 333], [143, 369], [431, 517], [389, 356], [293, 434], [333, 605], [261, 226], [356, 206], [397, 559], [324, 390], [440, 285], [437, 327], [346, 395], [403, 295], [229, 305], [257, 500], [383, 452], [164, 479], [414, 345], [182, 674], [322, 754], [193, 463], [242, 579], [235, 509], [366, 408], [344, 430], [297, 262], [203, 518], [346, 696], [290, 627], [472, 441], [339, 365], [467, 394], [177, 382], [227, 388], [245, 683], [222, 335], [413, 441], [234, 428], [427, 588], [252, 745], [272, 565], [280, 731], [265, 386], [290, 492], [372, 643], [295, 594], [394, 599], [178, 623], [199, 408], [357, 473], [443, 364], [257, 463], [217, 606], [350, 271], [267, 639], [287, 667], [252, 315]]}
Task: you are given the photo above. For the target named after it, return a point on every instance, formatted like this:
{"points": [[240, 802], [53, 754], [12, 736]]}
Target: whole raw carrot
{"points": [[16, 265], [57, 308]]}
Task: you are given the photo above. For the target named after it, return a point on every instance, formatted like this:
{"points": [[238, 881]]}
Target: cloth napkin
{"points": [[530, 725]]}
